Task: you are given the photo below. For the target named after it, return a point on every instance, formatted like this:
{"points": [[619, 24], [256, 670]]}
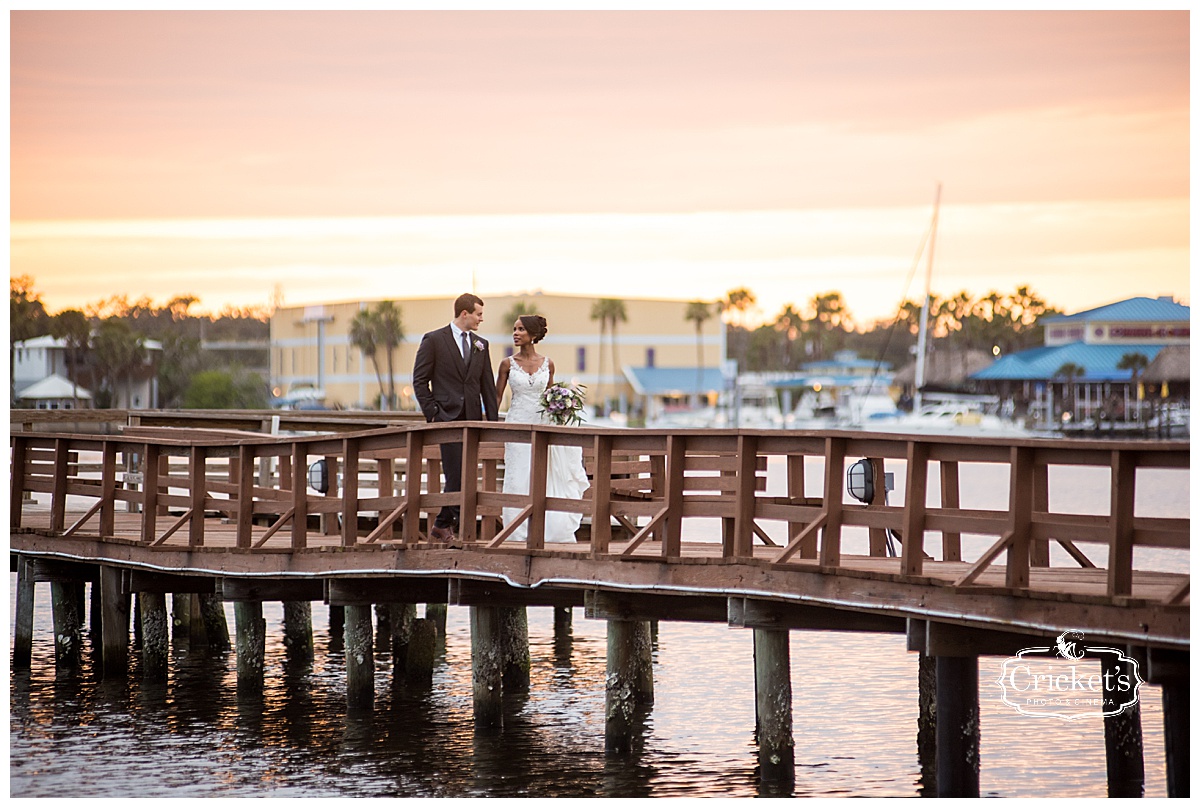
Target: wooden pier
{"points": [[198, 503]]}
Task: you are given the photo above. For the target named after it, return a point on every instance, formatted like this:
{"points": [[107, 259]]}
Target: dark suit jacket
{"points": [[449, 389]]}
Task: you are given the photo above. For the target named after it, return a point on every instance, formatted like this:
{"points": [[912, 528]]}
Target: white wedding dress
{"points": [[565, 477]]}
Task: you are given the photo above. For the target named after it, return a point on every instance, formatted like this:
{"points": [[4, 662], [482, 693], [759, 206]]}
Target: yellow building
{"points": [[311, 347]]}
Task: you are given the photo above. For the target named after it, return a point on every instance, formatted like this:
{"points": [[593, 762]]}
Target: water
{"points": [[855, 713], [855, 725]]}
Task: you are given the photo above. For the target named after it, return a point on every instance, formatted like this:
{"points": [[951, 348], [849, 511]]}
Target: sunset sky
{"points": [[331, 156]]}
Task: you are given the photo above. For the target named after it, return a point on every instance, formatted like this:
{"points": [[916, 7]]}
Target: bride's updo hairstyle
{"points": [[535, 325]]}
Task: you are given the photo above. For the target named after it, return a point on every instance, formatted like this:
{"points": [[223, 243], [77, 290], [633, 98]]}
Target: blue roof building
{"points": [[1095, 342]]}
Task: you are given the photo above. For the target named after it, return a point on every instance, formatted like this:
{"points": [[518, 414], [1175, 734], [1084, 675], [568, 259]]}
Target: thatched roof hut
{"points": [[945, 368], [1173, 364]]}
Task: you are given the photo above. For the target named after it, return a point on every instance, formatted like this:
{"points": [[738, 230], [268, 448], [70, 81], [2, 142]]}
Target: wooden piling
{"points": [[156, 635], [360, 657], [181, 619], [420, 653], [486, 667], [514, 649], [437, 612], [216, 628], [114, 623], [1176, 706], [927, 722], [773, 706], [957, 726], [1122, 734], [22, 657], [96, 612], [562, 620], [137, 621], [297, 629], [251, 644], [337, 628], [68, 633], [563, 636], [629, 683], [402, 617], [383, 627]]}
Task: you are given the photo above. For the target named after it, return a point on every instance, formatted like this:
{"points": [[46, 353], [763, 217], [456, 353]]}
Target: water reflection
{"points": [[197, 734]]}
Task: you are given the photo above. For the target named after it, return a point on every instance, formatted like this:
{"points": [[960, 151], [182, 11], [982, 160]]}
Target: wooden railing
{"points": [[644, 485]]}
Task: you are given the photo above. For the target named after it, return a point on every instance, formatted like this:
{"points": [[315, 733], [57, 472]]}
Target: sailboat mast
{"points": [[923, 329]]}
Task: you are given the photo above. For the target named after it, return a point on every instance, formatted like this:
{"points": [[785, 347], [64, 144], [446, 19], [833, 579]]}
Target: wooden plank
{"points": [[468, 510], [150, 465], [274, 528], [742, 544], [803, 539], [602, 494], [58, 499], [609, 605], [673, 495], [830, 553], [985, 560], [644, 533], [912, 551], [414, 444], [245, 495], [404, 589], [299, 496], [754, 613], [250, 590], [196, 491], [1021, 488], [539, 457], [951, 539], [18, 476], [385, 471], [877, 535], [470, 592], [1039, 548], [350, 460], [164, 583], [108, 488], [1120, 541]]}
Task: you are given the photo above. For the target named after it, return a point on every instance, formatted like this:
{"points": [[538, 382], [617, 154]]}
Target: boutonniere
{"points": [[479, 345]]}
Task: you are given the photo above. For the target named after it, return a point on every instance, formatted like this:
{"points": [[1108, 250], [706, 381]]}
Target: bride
{"points": [[528, 373]]}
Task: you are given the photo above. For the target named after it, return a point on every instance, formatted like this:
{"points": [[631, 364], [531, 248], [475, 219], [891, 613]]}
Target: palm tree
{"points": [[790, 325], [739, 300], [362, 336], [831, 314], [73, 328], [118, 350], [1134, 362], [518, 309], [1069, 371], [609, 311], [697, 312], [388, 335]]}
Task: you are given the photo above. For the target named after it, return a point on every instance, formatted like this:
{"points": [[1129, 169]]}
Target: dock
{"points": [[252, 507]]}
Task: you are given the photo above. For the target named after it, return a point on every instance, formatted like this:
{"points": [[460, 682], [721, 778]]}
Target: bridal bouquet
{"points": [[562, 403]]}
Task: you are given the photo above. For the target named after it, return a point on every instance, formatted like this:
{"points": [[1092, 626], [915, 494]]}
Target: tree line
{"points": [[993, 323], [105, 347], [105, 341]]}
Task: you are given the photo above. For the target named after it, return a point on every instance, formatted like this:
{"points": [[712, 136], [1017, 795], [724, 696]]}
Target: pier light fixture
{"points": [[860, 481], [318, 477]]}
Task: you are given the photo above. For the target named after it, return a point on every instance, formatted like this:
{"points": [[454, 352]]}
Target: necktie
{"points": [[465, 346]]}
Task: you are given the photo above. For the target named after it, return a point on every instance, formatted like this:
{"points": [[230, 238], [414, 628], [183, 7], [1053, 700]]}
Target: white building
{"points": [[41, 378]]}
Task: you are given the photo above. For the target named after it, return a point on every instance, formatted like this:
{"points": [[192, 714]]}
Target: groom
{"points": [[454, 382]]}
